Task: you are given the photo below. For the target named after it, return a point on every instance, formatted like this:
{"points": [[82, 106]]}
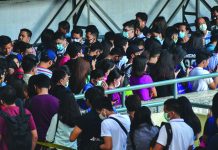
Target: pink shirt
{"points": [[12, 111], [64, 60]]}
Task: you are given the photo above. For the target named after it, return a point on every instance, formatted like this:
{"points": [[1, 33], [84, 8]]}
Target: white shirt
{"points": [[201, 84], [62, 135], [111, 128], [123, 60], [183, 135]]}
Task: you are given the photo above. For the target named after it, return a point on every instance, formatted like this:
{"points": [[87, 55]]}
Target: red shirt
{"points": [[12, 111]]}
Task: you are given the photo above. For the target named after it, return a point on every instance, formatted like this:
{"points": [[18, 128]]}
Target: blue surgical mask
{"points": [[159, 39], [125, 34], [60, 47], [181, 34], [68, 35], [203, 27], [211, 47]]}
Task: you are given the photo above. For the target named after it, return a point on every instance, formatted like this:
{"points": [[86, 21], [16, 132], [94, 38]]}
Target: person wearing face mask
{"points": [[183, 34], [77, 35], [60, 81], [116, 55], [129, 30], [182, 133], [114, 127], [113, 81], [61, 44], [156, 33], [96, 79], [74, 51], [201, 25]]}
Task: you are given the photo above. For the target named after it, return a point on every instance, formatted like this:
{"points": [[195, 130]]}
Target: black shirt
{"points": [[90, 124]]}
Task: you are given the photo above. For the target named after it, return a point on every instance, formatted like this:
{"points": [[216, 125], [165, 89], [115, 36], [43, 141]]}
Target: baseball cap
{"points": [[48, 55]]}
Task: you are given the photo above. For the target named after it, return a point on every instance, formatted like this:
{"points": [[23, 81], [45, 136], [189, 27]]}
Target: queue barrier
{"points": [[155, 84]]}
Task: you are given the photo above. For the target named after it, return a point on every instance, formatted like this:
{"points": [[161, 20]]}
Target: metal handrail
{"points": [[154, 84]]}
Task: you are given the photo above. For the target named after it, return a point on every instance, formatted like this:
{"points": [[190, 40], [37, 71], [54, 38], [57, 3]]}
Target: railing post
{"points": [[175, 92], [123, 98]]}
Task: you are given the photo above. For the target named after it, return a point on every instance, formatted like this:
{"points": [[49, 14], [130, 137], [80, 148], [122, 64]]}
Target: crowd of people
{"points": [[38, 84]]}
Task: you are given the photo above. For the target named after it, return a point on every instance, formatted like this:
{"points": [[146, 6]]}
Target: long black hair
{"points": [[188, 114], [142, 115], [68, 111], [138, 66]]}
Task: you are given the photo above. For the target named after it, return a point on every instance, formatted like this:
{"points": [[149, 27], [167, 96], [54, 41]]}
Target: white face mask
{"points": [[66, 85], [76, 40], [99, 83], [102, 117], [117, 85], [203, 27]]}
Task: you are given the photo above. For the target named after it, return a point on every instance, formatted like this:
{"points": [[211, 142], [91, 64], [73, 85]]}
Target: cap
{"points": [[49, 54]]}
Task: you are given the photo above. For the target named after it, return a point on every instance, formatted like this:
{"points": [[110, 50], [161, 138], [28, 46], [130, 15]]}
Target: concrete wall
{"points": [[35, 14]]}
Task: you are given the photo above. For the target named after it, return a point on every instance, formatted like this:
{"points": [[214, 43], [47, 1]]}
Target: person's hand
{"points": [[177, 72], [93, 64], [104, 85], [216, 80], [188, 70]]}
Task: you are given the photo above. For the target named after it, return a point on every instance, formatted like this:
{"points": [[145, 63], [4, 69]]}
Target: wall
{"points": [[35, 14]]}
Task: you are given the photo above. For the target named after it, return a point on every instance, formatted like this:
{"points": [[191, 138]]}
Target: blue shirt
{"points": [[213, 62], [87, 86]]}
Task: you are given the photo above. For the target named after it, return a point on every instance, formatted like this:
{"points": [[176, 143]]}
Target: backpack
{"points": [[18, 134], [169, 136]]}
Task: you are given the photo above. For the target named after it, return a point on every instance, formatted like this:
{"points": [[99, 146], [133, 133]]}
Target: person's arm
{"points": [[213, 84], [34, 138], [75, 133], [158, 147], [107, 143], [153, 92], [50, 135], [190, 147]]}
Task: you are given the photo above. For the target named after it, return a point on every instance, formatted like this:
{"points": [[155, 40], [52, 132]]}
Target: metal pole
{"points": [[197, 8], [106, 15], [206, 4], [176, 11], [123, 98], [175, 93], [59, 10], [75, 10], [88, 12]]}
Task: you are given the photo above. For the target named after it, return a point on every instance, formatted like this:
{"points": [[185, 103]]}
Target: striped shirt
{"points": [[44, 71]]}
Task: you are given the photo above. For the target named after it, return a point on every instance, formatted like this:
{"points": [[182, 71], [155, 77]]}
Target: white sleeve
{"points": [[52, 128], [162, 137], [209, 80], [105, 129]]}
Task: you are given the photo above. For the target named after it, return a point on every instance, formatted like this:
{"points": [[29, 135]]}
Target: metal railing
{"points": [[155, 84]]}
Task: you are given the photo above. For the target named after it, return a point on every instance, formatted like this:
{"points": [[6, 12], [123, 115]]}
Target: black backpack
{"points": [[18, 134], [169, 136]]}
